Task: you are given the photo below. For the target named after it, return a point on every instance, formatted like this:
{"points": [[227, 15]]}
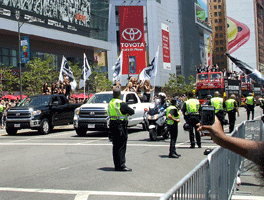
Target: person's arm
{"points": [[237, 109], [175, 113], [125, 109], [246, 148]]}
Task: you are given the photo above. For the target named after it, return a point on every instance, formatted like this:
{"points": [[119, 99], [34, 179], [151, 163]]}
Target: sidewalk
{"points": [[250, 187]]}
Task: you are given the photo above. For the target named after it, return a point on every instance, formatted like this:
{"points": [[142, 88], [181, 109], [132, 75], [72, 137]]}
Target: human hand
{"points": [[216, 130]]}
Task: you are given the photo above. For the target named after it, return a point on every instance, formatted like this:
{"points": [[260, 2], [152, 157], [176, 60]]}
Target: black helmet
{"points": [[174, 101], [186, 127], [207, 151]]}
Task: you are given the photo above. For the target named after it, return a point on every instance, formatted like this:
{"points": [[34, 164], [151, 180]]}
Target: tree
{"points": [[39, 73], [8, 79], [177, 85]]}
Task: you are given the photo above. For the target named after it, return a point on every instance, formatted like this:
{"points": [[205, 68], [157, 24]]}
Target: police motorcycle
{"points": [[155, 118]]}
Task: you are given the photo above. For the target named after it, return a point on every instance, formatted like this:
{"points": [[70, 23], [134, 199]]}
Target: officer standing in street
{"points": [[173, 118], [218, 103], [250, 105], [191, 110], [261, 104], [118, 111], [232, 109]]}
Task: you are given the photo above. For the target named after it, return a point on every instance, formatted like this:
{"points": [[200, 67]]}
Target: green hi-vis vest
{"points": [[250, 100], [192, 106], [230, 104], [114, 110], [170, 121], [217, 102], [1, 108]]}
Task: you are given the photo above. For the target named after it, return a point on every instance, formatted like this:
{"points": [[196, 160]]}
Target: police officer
{"points": [[191, 110], [118, 112], [232, 109], [173, 118], [261, 104], [250, 105], [218, 103]]}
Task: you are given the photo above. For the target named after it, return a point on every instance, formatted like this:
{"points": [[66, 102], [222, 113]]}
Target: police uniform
{"points": [[250, 106], [219, 106], [173, 129], [191, 110], [118, 112], [231, 108], [261, 104]]}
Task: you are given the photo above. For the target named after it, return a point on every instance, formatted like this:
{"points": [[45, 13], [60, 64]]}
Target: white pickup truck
{"points": [[93, 114]]}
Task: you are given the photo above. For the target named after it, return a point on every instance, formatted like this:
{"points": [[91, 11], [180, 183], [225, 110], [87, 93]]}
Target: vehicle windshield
{"points": [[35, 101], [102, 98], [202, 77], [202, 94]]}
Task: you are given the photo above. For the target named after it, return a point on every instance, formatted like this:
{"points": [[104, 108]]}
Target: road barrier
{"points": [[215, 177]]}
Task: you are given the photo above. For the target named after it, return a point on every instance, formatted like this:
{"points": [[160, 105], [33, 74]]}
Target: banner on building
{"points": [[166, 46], [25, 50], [132, 39]]}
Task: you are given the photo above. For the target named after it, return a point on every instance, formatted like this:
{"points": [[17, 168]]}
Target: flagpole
{"points": [[156, 72], [84, 75], [128, 67]]}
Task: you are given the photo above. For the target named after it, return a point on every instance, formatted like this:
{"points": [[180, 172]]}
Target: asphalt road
{"points": [[62, 165]]}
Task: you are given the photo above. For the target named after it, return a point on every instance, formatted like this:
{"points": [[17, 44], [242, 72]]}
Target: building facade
{"points": [[53, 27], [170, 27], [246, 32]]}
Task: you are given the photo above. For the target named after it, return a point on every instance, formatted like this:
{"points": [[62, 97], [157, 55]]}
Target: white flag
{"points": [[86, 72], [150, 71], [66, 69], [117, 68]]}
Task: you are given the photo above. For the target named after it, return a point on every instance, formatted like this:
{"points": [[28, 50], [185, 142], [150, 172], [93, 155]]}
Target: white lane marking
{"points": [[72, 192], [81, 196]]}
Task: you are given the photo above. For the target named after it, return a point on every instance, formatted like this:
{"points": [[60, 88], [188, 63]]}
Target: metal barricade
{"points": [[215, 176]]}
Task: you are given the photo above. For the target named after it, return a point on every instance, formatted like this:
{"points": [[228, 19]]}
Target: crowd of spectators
{"points": [[142, 88], [234, 75]]}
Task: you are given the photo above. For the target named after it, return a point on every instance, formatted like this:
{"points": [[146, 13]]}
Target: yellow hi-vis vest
{"points": [[114, 110], [192, 106], [170, 121], [1, 108], [230, 104], [217, 102], [250, 100]]}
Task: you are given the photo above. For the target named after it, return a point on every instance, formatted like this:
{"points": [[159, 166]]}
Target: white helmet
{"points": [[162, 95]]}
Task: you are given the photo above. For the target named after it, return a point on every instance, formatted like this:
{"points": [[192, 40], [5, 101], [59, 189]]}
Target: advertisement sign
{"points": [[166, 46], [132, 38], [242, 32], [25, 50], [70, 16]]}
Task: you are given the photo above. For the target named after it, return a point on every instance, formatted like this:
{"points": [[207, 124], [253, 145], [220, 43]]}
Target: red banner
{"points": [[132, 38], [166, 46]]}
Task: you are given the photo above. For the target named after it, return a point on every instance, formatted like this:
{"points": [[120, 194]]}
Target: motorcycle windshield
{"points": [[154, 111]]}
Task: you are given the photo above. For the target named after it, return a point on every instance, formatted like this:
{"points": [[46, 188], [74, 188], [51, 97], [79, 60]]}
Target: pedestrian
{"points": [[218, 103], [232, 109], [191, 111], [1, 113], [46, 89], [118, 111], [250, 105], [67, 87], [173, 119]]}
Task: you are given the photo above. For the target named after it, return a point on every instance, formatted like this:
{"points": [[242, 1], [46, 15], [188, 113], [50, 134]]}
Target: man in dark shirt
{"points": [[118, 112]]}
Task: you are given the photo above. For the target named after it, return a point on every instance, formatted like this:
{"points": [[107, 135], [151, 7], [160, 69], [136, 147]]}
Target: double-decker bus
{"points": [[207, 83]]}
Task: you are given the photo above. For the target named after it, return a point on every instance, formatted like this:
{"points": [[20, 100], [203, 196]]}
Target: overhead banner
{"points": [[166, 46], [132, 39], [25, 50]]}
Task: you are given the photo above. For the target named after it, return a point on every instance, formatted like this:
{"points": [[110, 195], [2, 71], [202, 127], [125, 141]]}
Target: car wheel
{"points": [[44, 127], [153, 135], [11, 131], [81, 132]]}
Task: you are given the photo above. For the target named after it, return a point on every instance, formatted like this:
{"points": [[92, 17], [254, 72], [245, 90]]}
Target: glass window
{"points": [[216, 35], [5, 60], [159, 1], [220, 14], [220, 20], [216, 21], [5, 52], [219, 6], [220, 28], [215, 14], [215, 7]]}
